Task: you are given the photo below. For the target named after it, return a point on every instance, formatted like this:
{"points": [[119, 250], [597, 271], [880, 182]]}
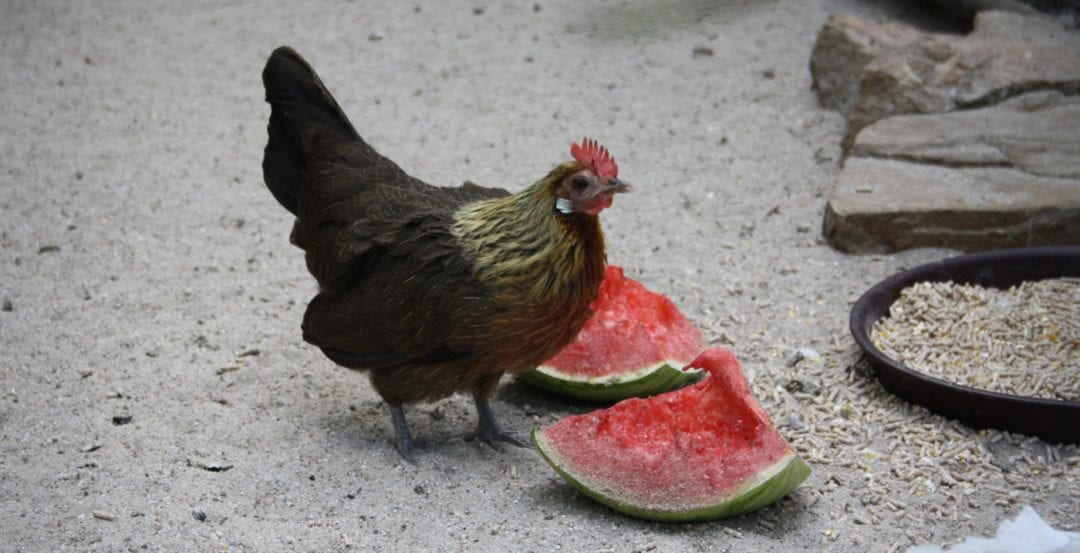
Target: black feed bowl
{"points": [[1054, 421]]}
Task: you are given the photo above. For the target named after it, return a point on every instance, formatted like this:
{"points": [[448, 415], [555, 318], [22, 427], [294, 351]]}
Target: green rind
{"points": [[789, 473], [658, 380]]}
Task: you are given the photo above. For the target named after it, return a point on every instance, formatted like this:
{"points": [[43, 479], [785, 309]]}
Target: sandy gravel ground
{"points": [[156, 394]]}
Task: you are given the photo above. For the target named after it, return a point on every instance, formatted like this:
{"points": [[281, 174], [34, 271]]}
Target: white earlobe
{"points": [[562, 205]]}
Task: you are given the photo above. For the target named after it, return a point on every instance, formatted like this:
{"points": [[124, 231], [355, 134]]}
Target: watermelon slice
{"points": [[703, 452], [630, 347]]}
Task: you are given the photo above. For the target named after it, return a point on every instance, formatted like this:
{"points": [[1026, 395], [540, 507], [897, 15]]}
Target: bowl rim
{"points": [[1051, 419]]}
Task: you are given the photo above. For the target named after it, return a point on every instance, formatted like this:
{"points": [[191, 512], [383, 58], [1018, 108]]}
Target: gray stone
{"points": [[1037, 133], [881, 205], [1005, 55], [843, 47], [872, 71], [1018, 29], [966, 142]]}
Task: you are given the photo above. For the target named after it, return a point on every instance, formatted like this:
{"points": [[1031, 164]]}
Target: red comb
{"points": [[596, 157]]}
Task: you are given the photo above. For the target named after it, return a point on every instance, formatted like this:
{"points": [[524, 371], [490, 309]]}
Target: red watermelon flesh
{"points": [[631, 328], [704, 451]]}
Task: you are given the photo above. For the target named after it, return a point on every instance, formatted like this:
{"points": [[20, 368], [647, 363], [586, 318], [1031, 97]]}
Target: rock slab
{"points": [[888, 205], [966, 142], [1037, 133]]}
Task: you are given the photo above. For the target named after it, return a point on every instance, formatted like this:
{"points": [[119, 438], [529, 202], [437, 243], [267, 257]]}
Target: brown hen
{"points": [[431, 290]]}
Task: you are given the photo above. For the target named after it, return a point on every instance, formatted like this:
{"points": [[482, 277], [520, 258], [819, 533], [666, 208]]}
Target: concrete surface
{"points": [[156, 394]]}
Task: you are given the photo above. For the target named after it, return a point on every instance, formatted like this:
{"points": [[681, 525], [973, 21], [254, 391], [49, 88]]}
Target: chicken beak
{"points": [[616, 185]]}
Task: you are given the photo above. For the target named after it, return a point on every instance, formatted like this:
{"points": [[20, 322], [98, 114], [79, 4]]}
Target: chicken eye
{"points": [[579, 184]]}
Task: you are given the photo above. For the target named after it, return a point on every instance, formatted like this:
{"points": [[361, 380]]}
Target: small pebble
{"points": [[797, 386], [803, 354], [210, 466]]}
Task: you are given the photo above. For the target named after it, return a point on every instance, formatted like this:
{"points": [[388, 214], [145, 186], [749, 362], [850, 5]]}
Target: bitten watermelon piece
{"points": [[631, 346], [703, 452]]}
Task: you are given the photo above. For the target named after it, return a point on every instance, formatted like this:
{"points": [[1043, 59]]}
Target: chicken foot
{"points": [[401, 432], [489, 430]]}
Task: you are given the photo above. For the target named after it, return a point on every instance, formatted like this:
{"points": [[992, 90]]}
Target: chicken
{"points": [[430, 290]]}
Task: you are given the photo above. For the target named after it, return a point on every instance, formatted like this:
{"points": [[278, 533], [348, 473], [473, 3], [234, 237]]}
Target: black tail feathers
{"points": [[300, 109]]}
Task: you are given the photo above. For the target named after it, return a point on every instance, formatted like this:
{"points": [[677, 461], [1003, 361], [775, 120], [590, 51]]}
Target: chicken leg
{"points": [[489, 430], [401, 432]]}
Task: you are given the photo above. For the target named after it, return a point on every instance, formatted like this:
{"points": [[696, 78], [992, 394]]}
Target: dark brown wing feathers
{"points": [[399, 293], [395, 288]]}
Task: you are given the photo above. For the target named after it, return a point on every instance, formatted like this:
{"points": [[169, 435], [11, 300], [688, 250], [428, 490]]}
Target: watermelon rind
{"points": [[770, 484], [633, 346], [651, 380]]}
